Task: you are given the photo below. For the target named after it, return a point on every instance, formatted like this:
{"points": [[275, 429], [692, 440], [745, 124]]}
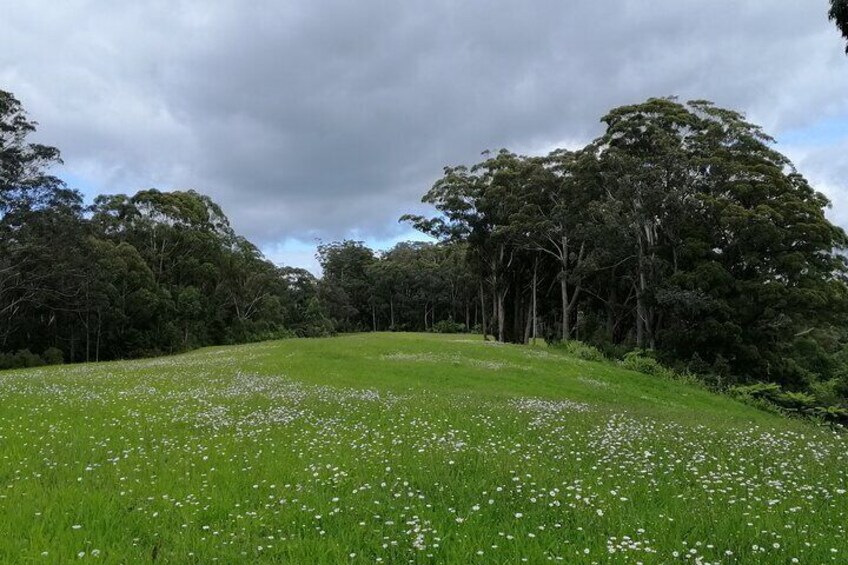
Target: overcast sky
{"points": [[314, 119]]}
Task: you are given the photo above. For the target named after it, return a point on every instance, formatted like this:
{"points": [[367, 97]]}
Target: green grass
{"points": [[401, 448]]}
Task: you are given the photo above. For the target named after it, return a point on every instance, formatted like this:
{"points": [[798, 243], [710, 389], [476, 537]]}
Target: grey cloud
{"points": [[324, 118]]}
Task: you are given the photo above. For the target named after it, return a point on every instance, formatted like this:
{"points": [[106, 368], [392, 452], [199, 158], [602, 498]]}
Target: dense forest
{"points": [[680, 233]]}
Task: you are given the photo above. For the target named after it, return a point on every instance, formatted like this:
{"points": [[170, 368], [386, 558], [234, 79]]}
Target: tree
{"points": [[839, 15], [346, 285], [40, 231], [24, 178], [476, 206], [645, 156]]}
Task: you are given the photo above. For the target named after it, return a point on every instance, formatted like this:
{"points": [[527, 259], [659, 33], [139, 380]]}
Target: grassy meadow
{"points": [[404, 448]]}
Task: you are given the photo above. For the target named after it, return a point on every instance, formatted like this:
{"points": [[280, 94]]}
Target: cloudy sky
{"points": [[321, 119]]}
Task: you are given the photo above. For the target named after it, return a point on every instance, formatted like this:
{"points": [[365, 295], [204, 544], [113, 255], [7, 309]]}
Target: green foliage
{"points": [[698, 366], [641, 362], [795, 400], [819, 406], [680, 230], [448, 327], [580, 350], [839, 15], [53, 356], [757, 390], [20, 359]]}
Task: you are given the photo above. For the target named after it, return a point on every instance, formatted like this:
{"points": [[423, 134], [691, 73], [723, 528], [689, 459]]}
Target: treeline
{"points": [[414, 286], [154, 273], [162, 272], [129, 276], [680, 231]]}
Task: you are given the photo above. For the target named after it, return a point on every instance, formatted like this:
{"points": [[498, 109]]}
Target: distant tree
{"points": [[839, 14], [41, 230], [346, 287], [476, 206]]}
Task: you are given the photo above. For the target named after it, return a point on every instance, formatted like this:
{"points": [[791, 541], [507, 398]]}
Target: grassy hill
{"points": [[397, 448]]}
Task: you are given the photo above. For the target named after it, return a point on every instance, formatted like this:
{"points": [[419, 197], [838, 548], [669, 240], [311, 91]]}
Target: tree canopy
{"points": [[680, 230], [839, 15]]}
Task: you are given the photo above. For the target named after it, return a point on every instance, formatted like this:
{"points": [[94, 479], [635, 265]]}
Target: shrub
{"points": [[826, 392], [613, 350], [580, 350], [770, 395], [697, 365], [640, 362], [448, 327], [797, 401], [836, 414], [24, 358], [53, 356], [721, 366], [757, 390]]}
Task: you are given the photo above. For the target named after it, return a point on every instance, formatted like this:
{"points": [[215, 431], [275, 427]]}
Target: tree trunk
{"points": [[535, 285], [496, 315], [501, 296], [97, 344], [392, 312], [566, 309], [611, 323], [640, 321], [87, 337], [483, 311]]}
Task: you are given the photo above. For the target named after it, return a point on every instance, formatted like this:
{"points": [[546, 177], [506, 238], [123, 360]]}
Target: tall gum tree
{"points": [[645, 169], [475, 206], [839, 15]]}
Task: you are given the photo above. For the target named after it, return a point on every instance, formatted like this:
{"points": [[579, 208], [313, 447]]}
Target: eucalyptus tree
{"points": [[40, 227], [476, 205], [554, 217], [25, 179], [761, 232], [346, 285], [839, 15], [645, 168]]}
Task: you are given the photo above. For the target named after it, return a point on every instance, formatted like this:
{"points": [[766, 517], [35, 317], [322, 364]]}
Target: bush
{"points": [[21, 359], [721, 366], [53, 356], [757, 390], [836, 414], [640, 362], [826, 392], [697, 365], [448, 327], [798, 403], [580, 350], [318, 328], [613, 350]]}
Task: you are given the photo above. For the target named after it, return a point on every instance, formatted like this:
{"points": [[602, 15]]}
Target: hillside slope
{"points": [[404, 448]]}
